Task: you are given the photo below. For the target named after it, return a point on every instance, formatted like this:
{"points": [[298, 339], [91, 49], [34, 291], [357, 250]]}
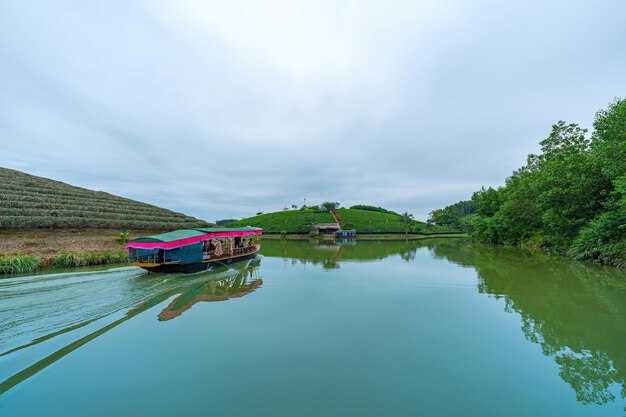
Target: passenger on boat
{"points": [[230, 246], [245, 243], [219, 251]]}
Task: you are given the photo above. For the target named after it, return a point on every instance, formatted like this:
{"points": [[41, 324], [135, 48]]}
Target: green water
{"points": [[430, 328]]}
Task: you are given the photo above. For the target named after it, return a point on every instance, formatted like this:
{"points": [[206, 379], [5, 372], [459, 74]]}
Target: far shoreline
{"points": [[49, 249], [366, 236]]}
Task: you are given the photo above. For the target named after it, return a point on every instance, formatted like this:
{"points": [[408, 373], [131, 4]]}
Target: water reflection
{"points": [[224, 289], [575, 312], [45, 317], [328, 254]]}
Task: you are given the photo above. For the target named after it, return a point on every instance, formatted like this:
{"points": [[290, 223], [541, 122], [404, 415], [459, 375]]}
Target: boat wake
{"points": [[43, 315]]}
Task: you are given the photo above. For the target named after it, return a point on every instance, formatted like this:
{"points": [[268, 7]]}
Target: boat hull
{"points": [[194, 267]]}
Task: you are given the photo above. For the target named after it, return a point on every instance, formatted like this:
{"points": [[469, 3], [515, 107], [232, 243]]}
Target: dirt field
{"points": [[46, 243]]}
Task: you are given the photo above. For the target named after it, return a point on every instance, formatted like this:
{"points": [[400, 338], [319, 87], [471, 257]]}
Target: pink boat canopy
{"points": [[177, 238]]}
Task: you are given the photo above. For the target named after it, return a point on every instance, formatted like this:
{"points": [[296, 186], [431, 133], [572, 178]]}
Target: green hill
{"points": [[364, 221], [31, 202]]}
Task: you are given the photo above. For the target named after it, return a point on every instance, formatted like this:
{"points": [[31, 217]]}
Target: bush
{"points": [[66, 260], [18, 264], [372, 208], [123, 237]]}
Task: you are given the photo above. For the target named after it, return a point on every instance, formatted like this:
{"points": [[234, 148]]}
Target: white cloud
{"points": [[234, 106]]}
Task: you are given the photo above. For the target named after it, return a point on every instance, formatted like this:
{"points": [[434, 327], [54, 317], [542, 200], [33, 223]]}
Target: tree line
{"points": [[569, 198]]}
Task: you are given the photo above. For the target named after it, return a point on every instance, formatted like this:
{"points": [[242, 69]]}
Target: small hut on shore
{"points": [[326, 228]]}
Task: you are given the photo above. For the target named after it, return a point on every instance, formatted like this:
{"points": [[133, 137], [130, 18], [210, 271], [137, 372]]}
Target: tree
{"points": [[407, 220], [453, 215], [225, 222], [569, 197], [330, 205]]}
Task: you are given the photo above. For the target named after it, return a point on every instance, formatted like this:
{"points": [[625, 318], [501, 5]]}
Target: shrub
{"points": [[66, 260], [123, 239], [18, 264]]}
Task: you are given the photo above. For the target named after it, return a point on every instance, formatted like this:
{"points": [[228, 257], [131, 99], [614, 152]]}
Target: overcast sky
{"points": [[221, 109]]}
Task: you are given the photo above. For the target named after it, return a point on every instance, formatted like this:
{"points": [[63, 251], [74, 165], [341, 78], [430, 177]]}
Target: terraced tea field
{"points": [[29, 202]]}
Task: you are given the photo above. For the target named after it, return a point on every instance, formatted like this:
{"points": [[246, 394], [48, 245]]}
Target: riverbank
{"points": [[389, 236], [28, 251]]}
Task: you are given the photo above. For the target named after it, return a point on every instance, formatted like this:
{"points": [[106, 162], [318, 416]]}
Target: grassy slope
{"points": [[30, 202], [296, 221]]}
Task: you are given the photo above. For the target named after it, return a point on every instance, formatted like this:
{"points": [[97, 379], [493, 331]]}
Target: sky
{"points": [[221, 109]]}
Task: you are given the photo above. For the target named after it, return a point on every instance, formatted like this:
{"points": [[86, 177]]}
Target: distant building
{"points": [[326, 228], [345, 233]]}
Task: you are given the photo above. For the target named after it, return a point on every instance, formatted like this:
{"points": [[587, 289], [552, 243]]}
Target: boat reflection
{"points": [[224, 289]]}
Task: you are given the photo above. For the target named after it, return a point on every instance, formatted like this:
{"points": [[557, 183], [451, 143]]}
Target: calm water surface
{"points": [[432, 328]]}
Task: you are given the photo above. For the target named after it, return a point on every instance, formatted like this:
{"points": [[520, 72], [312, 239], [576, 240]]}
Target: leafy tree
{"points": [[569, 197], [453, 215], [486, 201], [330, 205], [225, 222], [407, 220]]}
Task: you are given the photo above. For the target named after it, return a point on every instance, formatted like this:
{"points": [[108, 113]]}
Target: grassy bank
{"points": [[28, 251], [23, 264], [388, 237]]}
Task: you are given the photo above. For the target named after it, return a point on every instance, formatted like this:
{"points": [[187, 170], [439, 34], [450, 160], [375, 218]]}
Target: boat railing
{"points": [[228, 254], [143, 259], [154, 258]]}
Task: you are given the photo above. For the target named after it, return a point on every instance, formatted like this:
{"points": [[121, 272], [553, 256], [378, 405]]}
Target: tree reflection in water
{"points": [[575, 312]]}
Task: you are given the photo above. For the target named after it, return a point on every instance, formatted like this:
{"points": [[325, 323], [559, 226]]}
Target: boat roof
{"points": [[179, 234]]}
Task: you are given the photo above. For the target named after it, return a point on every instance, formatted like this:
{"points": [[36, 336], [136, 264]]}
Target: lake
{"points": [[434, 328]]}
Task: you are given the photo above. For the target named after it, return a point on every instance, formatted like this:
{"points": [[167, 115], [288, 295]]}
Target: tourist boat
{"points": [[193, 250]]}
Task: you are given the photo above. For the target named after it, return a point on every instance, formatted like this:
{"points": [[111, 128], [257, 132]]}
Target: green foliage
{"points": [[224, 222], [486, 202], [30, 202], [407, 221], [454, 215], [569, 198], [66, 260], [71, 260], [18, 264], [123, 237], [372, 208], [330, 205], [604, 239]]}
